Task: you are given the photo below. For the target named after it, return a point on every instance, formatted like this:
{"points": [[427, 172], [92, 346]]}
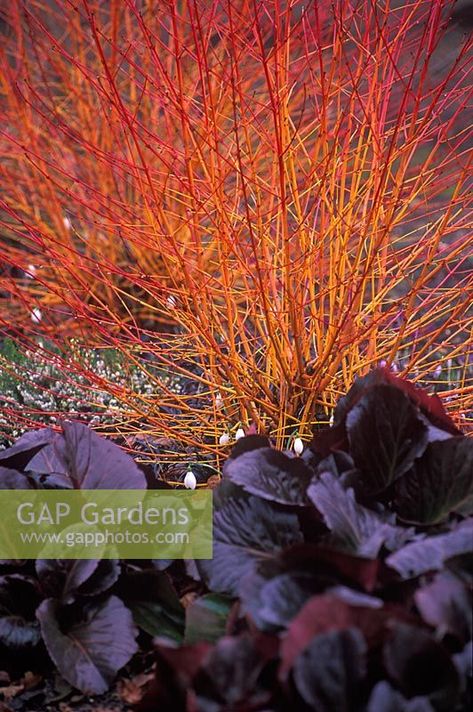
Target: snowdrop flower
{"points": [[36, 315], [298, 446], [171, 301], [190, 481], [67, 223], [31, 272], [240, 433], [330, 422], [224, 439]]}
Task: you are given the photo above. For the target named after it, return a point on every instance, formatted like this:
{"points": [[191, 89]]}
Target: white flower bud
{"points": [[36, 315], [298, 446], [224, 439], [240, 433], [190, 481]]}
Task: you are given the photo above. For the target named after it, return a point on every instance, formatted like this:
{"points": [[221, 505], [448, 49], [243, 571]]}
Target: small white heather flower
{"points": [[298, 446], [171, 301], [240, 433], [190, 481], [36, 315], [224, 439]]}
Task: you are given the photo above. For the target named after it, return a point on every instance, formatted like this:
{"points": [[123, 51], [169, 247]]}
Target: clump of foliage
{"points": [[268, 199], [341, 578]]}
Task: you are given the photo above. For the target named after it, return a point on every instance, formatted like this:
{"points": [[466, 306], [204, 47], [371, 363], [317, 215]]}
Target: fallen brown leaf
{"points": [[188, 598], [131, 691], [30, 680], [11, 691], [213, 481]]}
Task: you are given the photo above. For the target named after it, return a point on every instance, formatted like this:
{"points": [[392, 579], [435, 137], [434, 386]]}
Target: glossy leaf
{"points": [[440, 482], [270, 474], [247, 531], [354, 527], [89, 653], [385, 698], [206, 618], [386, 436], [65, 578], [431, 553], [153, 600], [328, 674], [420, 665], [19, 596], [12, 479], [20, 453], [87, 461], [446, 604]]}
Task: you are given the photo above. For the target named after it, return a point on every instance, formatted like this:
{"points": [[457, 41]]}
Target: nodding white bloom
{"points": [[31, 272], [36, 315], [219, 400], [171, 301], [240, 433], [298, 446], [224, 439], [330, 422], [438, 371], [190, 481], [67, 223]]}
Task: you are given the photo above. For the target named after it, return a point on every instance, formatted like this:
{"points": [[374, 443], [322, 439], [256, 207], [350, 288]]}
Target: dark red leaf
{"points": [[89, 653], [87, 461], [270, 474], [325, 613], [440, 482]]}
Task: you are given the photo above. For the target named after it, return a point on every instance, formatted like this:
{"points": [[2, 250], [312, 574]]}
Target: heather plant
{"points": [[265, 199], [34, 389]]}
